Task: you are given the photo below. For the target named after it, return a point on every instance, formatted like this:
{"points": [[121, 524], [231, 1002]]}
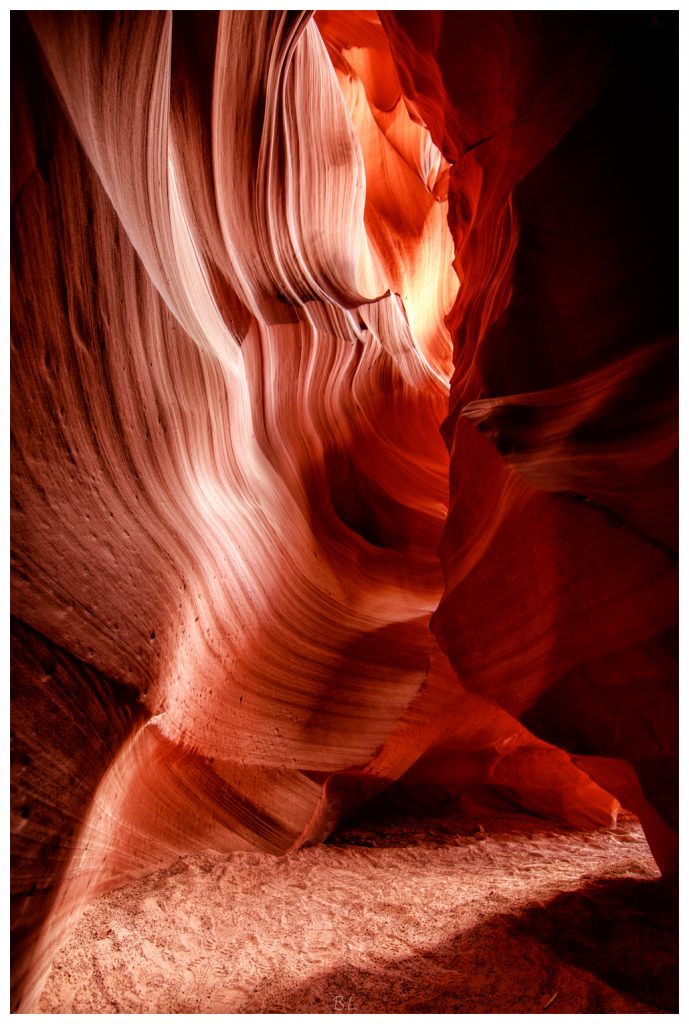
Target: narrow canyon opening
{"points": [[344, 512]]}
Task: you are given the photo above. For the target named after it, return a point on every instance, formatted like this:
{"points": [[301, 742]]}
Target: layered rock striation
{"points": [[342, 431]]}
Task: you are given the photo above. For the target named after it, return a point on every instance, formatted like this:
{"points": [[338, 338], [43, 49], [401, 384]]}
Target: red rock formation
{"points": [[231, 273], [562, 413]]}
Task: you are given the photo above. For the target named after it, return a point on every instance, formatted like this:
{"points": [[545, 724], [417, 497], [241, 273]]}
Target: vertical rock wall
{"points": [[342, 431]]}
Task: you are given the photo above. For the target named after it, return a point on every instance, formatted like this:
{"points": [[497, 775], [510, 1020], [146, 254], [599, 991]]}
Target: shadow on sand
{"points": [[609, 947]]}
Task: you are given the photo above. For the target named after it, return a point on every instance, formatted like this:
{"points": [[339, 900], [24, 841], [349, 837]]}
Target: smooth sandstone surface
{"points": [[343, 432]]}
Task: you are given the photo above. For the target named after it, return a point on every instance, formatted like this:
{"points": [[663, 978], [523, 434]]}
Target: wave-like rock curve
{"points": [[274, 284]]}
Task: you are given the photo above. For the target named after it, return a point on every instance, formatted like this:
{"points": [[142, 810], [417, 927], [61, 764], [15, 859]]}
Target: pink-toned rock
{"points": [[281, 333]]}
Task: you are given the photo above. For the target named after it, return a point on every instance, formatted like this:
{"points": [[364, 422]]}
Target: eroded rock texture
{"points": [[276, 281]]}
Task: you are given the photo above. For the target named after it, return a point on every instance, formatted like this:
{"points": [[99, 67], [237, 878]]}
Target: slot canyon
{"points": [[344, 511]]}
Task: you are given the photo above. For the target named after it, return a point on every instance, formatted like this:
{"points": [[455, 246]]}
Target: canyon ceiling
{"points": [[343, 431]]}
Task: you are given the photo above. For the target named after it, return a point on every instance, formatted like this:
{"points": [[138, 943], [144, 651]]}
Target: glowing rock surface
{"points": [[342, 439]]}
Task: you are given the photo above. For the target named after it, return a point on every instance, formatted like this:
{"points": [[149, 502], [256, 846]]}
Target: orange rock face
{"points": [[342, 425], [562, 424]]}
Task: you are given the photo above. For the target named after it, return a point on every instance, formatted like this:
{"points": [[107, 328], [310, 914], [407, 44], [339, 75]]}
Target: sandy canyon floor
{"points": [[451, 915]]}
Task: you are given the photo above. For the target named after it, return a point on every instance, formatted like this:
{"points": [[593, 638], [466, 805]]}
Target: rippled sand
{"points": [[449, 915]]}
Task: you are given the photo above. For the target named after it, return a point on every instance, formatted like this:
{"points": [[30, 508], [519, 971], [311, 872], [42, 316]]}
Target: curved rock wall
{"points": [[276, 280], [562, 424]]}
